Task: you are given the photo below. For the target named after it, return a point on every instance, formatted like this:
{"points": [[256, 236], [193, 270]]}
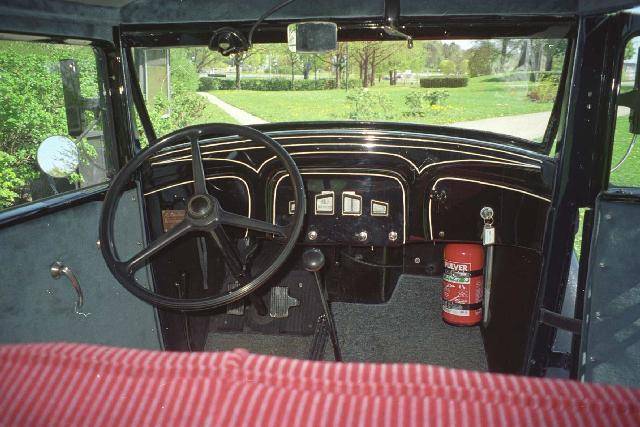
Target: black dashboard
{"points": [[368, 184]]}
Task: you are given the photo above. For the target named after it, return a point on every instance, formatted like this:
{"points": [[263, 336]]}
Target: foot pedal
{"points": [[280, 302], [319, 339]]}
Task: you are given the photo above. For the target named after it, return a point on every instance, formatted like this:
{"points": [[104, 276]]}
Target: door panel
{"points": [[34, 307], [610, 347]]}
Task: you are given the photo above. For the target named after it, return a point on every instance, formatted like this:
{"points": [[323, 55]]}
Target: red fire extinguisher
{"points": [[462, 284]]}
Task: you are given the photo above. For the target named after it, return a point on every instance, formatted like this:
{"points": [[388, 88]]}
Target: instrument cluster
{"points": [[344, 208]]}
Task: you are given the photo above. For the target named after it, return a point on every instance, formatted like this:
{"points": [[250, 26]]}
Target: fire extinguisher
{"points": [[462, 284]]}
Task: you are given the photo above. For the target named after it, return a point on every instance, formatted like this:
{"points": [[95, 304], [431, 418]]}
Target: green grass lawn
{"points": [[214, 114], [480, 99]]}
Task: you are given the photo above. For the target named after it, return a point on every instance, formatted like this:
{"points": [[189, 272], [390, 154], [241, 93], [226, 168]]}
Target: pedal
{"points": [[280, 302]]}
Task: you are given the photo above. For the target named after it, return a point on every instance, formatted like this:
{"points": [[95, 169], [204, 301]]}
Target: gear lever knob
{"points": [[313, 259]]}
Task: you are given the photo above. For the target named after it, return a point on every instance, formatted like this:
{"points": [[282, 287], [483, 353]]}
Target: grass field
{"points": [[214, 114], [480, 99]]}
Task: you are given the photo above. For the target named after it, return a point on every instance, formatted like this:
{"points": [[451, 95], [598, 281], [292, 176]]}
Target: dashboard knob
{"points": [[312, 235], [393, 236], [362, 236]]}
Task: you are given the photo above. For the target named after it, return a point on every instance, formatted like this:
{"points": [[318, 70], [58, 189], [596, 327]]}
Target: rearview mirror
{"points": [[58, 156], [312, 37]]}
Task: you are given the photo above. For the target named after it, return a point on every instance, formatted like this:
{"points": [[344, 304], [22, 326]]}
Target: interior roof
{"points": [[96, 18]]}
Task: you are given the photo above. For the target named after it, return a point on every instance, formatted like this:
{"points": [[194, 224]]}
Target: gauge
{"points": [[379, 208], [292, 207], [325, 203], [351, 203]]}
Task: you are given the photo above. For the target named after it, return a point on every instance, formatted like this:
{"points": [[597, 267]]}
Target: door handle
{"points": [[57, 270]]}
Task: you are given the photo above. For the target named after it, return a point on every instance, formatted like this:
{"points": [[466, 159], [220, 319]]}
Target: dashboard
{"points": [[368, 184]]}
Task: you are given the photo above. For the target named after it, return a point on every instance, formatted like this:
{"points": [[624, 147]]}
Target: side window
{"points": [[625, 160], [53, 137]]}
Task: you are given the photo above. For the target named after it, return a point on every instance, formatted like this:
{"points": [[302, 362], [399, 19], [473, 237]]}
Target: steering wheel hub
{"points": [[201, 206]]}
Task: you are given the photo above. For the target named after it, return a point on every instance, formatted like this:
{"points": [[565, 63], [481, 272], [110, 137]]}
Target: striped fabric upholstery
{"points": [[75, 384]]}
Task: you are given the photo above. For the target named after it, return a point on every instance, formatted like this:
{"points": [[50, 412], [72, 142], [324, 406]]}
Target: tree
{"points": [[32, 108], [369, 55], [482, 58], [238, 59], [293, 60], [433, 51], [629, 51], [403, 58], [555, 51], [337, 60], [447, 67], [204, 58]]}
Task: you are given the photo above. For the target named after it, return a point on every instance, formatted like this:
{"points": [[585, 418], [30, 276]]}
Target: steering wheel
{"points": [[203, 214]]}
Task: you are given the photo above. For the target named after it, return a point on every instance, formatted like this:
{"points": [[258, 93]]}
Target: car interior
{"points": [[325, 239]]}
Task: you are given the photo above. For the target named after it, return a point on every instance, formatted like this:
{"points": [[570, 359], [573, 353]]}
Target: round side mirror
{"points": [[58, 156]]}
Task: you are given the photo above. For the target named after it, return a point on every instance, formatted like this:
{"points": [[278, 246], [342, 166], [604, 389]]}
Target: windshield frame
{"points": [[368, 29]]}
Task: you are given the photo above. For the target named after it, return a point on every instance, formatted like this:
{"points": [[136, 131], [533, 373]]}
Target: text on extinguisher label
{"points": [[457, 272]]}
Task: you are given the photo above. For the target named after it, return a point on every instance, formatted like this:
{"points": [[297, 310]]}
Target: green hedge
{"points": [[212, 83], [444, 81]]}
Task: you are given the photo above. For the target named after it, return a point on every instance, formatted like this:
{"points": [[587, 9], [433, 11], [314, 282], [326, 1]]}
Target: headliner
{"points": [[95, 18]]}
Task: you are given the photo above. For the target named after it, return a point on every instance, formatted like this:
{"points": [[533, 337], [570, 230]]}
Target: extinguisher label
{"points": [[457, 272]]}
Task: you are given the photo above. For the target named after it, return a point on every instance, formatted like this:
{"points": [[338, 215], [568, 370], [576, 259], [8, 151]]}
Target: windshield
{"points": [[506, 86]]}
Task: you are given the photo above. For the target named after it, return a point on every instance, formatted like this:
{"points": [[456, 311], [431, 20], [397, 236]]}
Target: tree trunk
{"points": [[338, 73], [523, 54], [373, 73], [305, 70], [548, 64], [503, 54], [237, 64]]}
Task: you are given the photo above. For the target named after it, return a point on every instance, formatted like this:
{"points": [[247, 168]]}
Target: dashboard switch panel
{"points": [[343, 206]]}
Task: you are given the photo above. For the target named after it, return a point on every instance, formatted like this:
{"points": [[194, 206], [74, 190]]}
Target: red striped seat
{"points": [[75, 384]]}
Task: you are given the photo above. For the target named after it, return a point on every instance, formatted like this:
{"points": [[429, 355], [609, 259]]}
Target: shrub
{"points": [[212, 83], [184, 109], [369, 105], [417, 99], [437, 82], [546, 88], [543, 92]]}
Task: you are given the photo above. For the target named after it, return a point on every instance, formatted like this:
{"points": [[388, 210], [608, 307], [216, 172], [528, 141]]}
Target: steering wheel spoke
{"points": [[229, 252], [156, 246], [240, 221], [197, 166]]}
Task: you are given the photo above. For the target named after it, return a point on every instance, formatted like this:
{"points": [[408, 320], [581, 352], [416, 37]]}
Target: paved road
{"points": [[528, 126], [241, 116]]}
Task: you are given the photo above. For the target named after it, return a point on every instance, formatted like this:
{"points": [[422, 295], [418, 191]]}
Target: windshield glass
{"points": [[507, 86]]}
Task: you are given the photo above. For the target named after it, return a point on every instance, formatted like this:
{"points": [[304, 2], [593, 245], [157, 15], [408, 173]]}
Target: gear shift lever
{"points": [[313, 260]]}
